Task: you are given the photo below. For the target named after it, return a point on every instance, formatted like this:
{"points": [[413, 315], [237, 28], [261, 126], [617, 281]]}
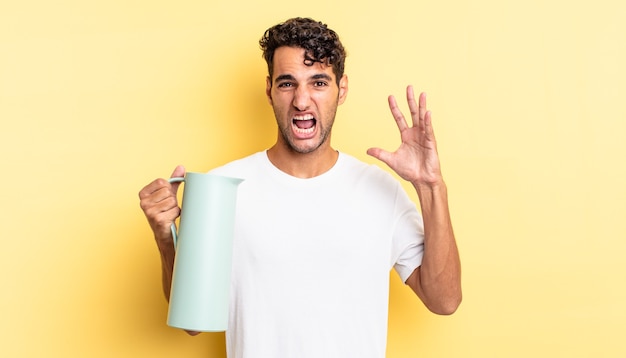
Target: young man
{"points": [[317, 231]]}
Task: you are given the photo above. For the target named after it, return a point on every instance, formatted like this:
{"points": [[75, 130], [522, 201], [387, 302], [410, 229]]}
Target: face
{"points": [[304, 99]]}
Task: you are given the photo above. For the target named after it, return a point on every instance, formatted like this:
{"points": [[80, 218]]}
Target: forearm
{"points": [[440, 272], [167, 254]]}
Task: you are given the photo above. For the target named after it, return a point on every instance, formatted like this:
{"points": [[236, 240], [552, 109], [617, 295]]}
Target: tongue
{"points": [[305, 124]]}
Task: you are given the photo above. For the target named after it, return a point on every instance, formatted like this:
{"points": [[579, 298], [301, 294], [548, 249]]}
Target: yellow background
{"points": [[97, 98]]}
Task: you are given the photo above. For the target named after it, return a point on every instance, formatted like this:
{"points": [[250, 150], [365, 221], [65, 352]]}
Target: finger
{"points": [[397, 114], [416, 114], [153, 187], [164, 211], [380, 154], [157, 198], [179, 172], [428, 126], [422, 106]]}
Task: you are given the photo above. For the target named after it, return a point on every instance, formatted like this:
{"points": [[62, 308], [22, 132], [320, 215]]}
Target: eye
{"points": [[320, 84], [285, 85]]}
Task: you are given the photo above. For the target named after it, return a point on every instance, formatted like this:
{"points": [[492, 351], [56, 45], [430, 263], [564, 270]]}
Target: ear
{"points": [[343, 89], [268, 89]]}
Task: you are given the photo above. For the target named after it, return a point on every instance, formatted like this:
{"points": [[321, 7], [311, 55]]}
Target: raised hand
{"points": [[416, 160]]}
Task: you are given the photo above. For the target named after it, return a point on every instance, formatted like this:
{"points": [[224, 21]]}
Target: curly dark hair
{"points": [[320, 43]]}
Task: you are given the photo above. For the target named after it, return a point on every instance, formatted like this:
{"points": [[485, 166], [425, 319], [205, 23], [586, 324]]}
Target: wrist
{"points": [[434, 184], [165, 242]]}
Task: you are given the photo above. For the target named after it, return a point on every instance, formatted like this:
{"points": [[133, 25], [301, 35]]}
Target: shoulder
{"points": [[374, 186], [241, 168], [366, 173]]}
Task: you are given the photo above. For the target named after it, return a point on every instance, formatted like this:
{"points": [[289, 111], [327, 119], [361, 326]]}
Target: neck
{"points": [[302, 165]]}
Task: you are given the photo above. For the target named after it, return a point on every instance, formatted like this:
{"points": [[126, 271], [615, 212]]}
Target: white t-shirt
{"points": [[312, 257]]}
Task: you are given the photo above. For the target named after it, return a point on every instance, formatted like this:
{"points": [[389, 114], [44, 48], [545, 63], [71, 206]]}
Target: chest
{"points": [[314, 229]]}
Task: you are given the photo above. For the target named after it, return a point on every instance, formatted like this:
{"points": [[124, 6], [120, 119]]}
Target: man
{"points": [[317, 231]]}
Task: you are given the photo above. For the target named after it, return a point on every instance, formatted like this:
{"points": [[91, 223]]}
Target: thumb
{"points": [[380, 154], [179, 172]]}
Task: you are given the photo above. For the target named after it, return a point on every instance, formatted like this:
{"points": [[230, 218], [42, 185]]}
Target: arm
{"points": [[437, 282], [159, 204]]}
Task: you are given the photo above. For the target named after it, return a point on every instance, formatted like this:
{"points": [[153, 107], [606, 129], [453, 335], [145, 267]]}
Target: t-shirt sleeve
{"points": [[408, 236]]}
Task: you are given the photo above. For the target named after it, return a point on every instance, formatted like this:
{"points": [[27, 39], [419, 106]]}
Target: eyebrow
{"points": [[319, 76], [285, 78]]}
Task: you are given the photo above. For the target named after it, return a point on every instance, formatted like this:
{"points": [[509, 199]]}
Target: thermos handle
{"points": [[173, 226]]}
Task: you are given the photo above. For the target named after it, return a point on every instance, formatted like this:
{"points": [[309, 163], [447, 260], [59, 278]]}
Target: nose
{"points": [[301, 98]]}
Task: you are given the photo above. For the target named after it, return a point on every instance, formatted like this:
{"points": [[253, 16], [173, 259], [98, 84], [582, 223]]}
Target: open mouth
{"points": [[304, 124]]}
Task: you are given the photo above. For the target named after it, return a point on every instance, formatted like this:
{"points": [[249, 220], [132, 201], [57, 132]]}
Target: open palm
{"points": [[416, 160]]}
